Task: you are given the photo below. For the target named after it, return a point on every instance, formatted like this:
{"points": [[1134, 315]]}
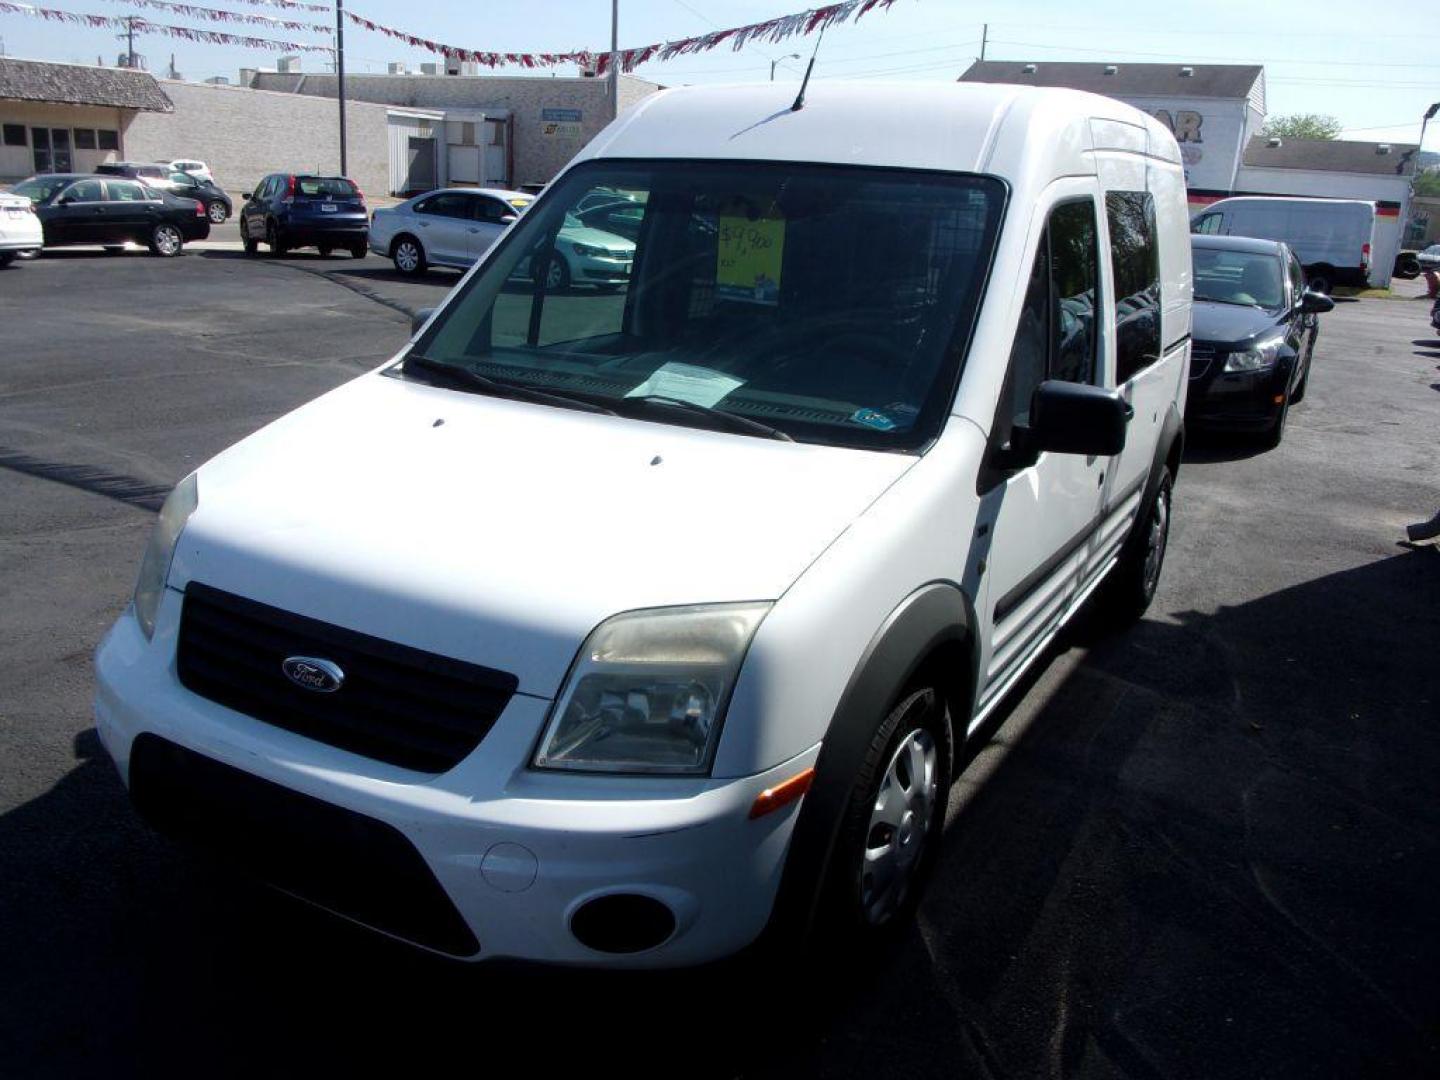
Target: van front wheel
{"points": [[891, 831], [1136, 576]]}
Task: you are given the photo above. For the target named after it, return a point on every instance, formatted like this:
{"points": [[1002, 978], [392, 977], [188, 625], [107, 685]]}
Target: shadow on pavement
{"points": [[1211, 849], [1217, 446]]}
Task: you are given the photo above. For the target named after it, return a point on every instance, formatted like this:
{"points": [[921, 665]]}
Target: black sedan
{"points": [[110, 210], [1254, 335], [163, 178]]}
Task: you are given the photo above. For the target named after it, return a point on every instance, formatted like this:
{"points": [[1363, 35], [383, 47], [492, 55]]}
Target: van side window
{"points": [[1208, 225], [1135, 258], [1056, 337], [1073, 296]]}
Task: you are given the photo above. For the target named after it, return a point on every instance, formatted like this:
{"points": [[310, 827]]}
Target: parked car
{"points": [[449, 227], [1429, 257], [1254, 335], [218, 205], [196, 168], [20, 231], [76, 208], [1407, 265], [292, 210], [1333, 238], [615, 634], [581, 255]]}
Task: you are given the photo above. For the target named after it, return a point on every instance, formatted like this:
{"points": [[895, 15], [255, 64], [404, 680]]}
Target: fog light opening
{"points": [[622, 923]]}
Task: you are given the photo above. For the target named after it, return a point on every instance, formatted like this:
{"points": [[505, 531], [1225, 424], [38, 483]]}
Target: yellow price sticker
{"points": [[750, 255]]}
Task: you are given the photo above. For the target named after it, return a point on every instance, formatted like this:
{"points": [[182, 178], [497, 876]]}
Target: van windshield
{"points": [[833, 304]]}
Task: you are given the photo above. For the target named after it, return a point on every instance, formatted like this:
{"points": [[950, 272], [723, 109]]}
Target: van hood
{"points": [[502, 532]]}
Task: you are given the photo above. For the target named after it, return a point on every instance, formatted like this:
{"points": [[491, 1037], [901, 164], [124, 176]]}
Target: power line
{"points": [[1181, 57]]}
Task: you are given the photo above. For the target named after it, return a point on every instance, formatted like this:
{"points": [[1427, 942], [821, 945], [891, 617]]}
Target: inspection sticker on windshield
{"points": [[872, 419], [749, 255], [686, 382]]}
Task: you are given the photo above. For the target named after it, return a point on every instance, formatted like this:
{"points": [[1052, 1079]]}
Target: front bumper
{"points": [[1239, 400], [515, 851]]}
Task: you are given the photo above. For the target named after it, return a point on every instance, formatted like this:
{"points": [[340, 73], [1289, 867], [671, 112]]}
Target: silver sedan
{"points": [[449, 227]]}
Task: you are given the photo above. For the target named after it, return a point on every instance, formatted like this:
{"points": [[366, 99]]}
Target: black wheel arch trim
{"points": [[935, 617]]}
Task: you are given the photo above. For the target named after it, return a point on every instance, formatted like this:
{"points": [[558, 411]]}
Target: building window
{"points": [[84, 139], [108, 140], [497, 132], [15, 135]]}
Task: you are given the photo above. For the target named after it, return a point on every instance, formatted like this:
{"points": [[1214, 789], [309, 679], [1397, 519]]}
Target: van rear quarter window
{"points": [[1135, 259]]}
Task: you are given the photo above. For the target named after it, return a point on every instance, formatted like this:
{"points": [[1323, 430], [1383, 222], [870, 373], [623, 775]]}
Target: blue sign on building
{"points": [[561, 116]]}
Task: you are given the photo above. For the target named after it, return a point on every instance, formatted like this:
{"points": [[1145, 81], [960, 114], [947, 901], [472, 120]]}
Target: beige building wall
{"points": [[244, 134], [18, 162], [541, 148]]}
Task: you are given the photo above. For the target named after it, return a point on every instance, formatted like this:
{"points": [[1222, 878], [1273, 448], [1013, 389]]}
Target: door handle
{"points": [[474, 230]]}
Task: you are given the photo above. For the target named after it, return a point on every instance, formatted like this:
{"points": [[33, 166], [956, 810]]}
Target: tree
{"points": [[1427, 183], [1302, 126]]}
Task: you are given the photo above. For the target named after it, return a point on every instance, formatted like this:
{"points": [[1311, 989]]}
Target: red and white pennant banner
{"points": [[771, 30], [291, 5], [221, 15], [145, 26]]}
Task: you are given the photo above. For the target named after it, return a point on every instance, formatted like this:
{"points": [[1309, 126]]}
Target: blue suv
{"points": [[289, 210]]}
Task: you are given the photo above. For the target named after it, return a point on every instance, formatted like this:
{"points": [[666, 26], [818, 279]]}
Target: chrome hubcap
{"points": [[217, 213], [407, 257], [900, 825], [1155, 542], [167, 240], [553, 274]]}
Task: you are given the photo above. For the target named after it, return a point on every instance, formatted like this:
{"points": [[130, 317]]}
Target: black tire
{"points": [[408, 255], [249, 243], [1131, 588], [554, 275], [856, 908], [166, 240], [359, 251], [326, 251], [217, 212], [6, 258], [1298, 394], [1322, 280], [273, 241]]}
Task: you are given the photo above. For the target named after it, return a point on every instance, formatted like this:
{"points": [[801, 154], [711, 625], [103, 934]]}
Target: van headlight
{"points": [[649, 689], [155, 566], [1260, 358]]}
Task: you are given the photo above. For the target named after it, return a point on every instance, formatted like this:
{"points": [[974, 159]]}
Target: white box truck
{"points": [[1334, 239]]}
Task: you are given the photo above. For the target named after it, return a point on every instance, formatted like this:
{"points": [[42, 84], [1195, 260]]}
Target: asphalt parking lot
{"points": [[1208, 846]]}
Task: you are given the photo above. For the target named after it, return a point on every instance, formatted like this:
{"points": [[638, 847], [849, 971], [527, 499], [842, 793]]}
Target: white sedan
{"points": [[20, 231], [450, 227]]}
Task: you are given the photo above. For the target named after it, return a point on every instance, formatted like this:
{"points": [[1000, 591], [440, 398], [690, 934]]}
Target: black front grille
{"points": [[1201, 357], [347, 862], [397, 704]]}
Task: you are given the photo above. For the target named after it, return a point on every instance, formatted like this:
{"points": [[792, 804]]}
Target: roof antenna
{"points": [[800, 97]]}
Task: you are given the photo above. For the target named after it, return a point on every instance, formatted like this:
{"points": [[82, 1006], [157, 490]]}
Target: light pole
{"points": [[614, 59], [1420, 149], [340, 77], [788, 56]]}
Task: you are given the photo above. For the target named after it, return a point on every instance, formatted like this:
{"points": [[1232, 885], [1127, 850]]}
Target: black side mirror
{"points": [[419, 319], [247, 196], [1074, 418], [1315, 303]]}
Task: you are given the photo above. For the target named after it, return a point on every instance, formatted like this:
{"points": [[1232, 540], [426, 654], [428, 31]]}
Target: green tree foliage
{"points": [[1302, 126], [1427, 183]]}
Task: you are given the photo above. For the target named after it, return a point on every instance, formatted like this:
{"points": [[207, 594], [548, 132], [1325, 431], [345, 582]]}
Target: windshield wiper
{"points": [[465, 379], [1233, 303], [734, 421]]}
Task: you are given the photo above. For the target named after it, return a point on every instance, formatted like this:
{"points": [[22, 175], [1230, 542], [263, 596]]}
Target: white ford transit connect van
{"points": [[616, 626]]}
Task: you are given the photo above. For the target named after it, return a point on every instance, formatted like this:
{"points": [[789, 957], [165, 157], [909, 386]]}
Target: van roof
{"points": [[1233, 199], [953, 127]]}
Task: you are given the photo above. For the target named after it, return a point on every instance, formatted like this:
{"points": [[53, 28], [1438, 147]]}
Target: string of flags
{"points": [[221, 15], [769, 31], [145, 26]]}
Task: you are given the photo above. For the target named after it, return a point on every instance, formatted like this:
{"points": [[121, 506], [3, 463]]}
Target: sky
{"points": [[1375, 66]]}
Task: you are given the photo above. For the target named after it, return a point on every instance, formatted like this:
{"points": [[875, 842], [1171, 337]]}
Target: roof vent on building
{"points": [[1111, 69], [1383, 148], [1274, 142], [1187, 73], [1028, 69]]}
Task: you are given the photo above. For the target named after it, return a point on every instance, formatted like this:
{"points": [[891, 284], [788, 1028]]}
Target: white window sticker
{"points": [[686, 382]]}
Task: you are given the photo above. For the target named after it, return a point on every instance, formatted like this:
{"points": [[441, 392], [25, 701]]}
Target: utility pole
{"points": [[129, 38], [614, 58], [984, 38], [340, 77]]}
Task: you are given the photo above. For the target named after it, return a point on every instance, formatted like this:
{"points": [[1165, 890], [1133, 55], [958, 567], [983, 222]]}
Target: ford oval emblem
{"points": [[312, 673]]}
